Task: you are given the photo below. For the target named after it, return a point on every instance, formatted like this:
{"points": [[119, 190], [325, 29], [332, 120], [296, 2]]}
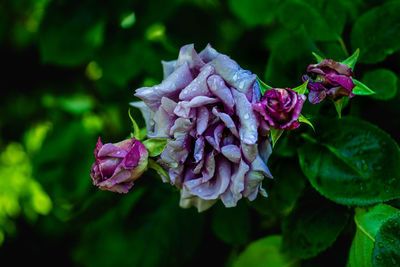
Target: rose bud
{"points": [[280, 108], [204, 107], [329, 79], [118, 165]]}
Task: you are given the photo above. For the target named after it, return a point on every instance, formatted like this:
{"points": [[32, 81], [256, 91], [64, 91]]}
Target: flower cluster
{"points": [[209, 123]]}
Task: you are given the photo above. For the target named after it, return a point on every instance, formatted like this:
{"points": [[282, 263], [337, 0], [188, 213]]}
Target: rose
{"points": [[331, 79], [203, 106], [280, 108], [118, 165]]}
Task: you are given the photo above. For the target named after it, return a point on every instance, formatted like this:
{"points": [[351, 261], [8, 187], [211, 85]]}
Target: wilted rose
{"points": [[329, 79], [118, 165], [281, 108], [216, 149]]}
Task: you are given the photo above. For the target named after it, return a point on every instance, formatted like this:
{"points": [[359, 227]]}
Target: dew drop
{"points": [[246, 116]]}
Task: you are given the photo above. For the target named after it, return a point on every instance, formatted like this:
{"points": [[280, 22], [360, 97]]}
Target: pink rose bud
{"points": [[118, 165]]}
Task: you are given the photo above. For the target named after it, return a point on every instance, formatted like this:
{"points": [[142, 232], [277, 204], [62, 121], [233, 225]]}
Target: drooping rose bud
{"points": [[329, 79], [281, 108], [118, 165]]}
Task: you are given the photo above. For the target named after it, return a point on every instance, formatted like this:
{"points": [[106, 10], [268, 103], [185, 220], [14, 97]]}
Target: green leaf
{"points": [[283, 191], [275, 134], [246, 10], [266, 252], [313, 225], [305, 120], [263, 86], [155, 146], [136, 129], [232, 225], [387, 243], [352, 162], [155, 166], [317, 57], [368, 221], [301, 90], [361, 89], [70, 36], [338, 106], [376, 32], [352, 60], [315, 18], [384, 83]]}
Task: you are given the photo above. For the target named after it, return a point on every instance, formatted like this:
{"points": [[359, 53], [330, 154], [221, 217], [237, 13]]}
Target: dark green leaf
{"points": [[368, 222], [383, 82], [70, 37], [387, 243], [232, 225], [377, 32], [163, 174], [338, 106], [266, 252], [313, 225], [353, 162], [316, 19], [255, 12], [306, 121]]}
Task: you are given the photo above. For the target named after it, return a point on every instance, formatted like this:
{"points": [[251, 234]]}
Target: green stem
{"points": [[343, 46]]}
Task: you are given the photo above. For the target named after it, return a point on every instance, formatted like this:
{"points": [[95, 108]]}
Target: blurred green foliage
{"points": [[70, 70]]}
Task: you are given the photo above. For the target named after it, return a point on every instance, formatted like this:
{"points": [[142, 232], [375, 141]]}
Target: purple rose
{"points": [[118, 165], [216, 149], [329, 79], [281, 108]]}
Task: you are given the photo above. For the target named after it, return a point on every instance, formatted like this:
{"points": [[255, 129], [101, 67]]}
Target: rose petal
{"points": [[248, 123], [202, 120], [198, 87], [232, 153], [208, 54], [181, 127], [227, 120], [169, 87], [230, 71], [187, 54], [217, 86], [168, 67]]}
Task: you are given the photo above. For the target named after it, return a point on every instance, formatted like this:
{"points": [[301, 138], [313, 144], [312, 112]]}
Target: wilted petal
{"points": [[200, 204], [169, 87], [252, 184], [208, 54], [209, 167], [342, 80], [232, 153], [228, 69], [217, 86], [340, 68], [198, 87], [180, 127], [248, 123], [250, 152], [176, 151]]}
